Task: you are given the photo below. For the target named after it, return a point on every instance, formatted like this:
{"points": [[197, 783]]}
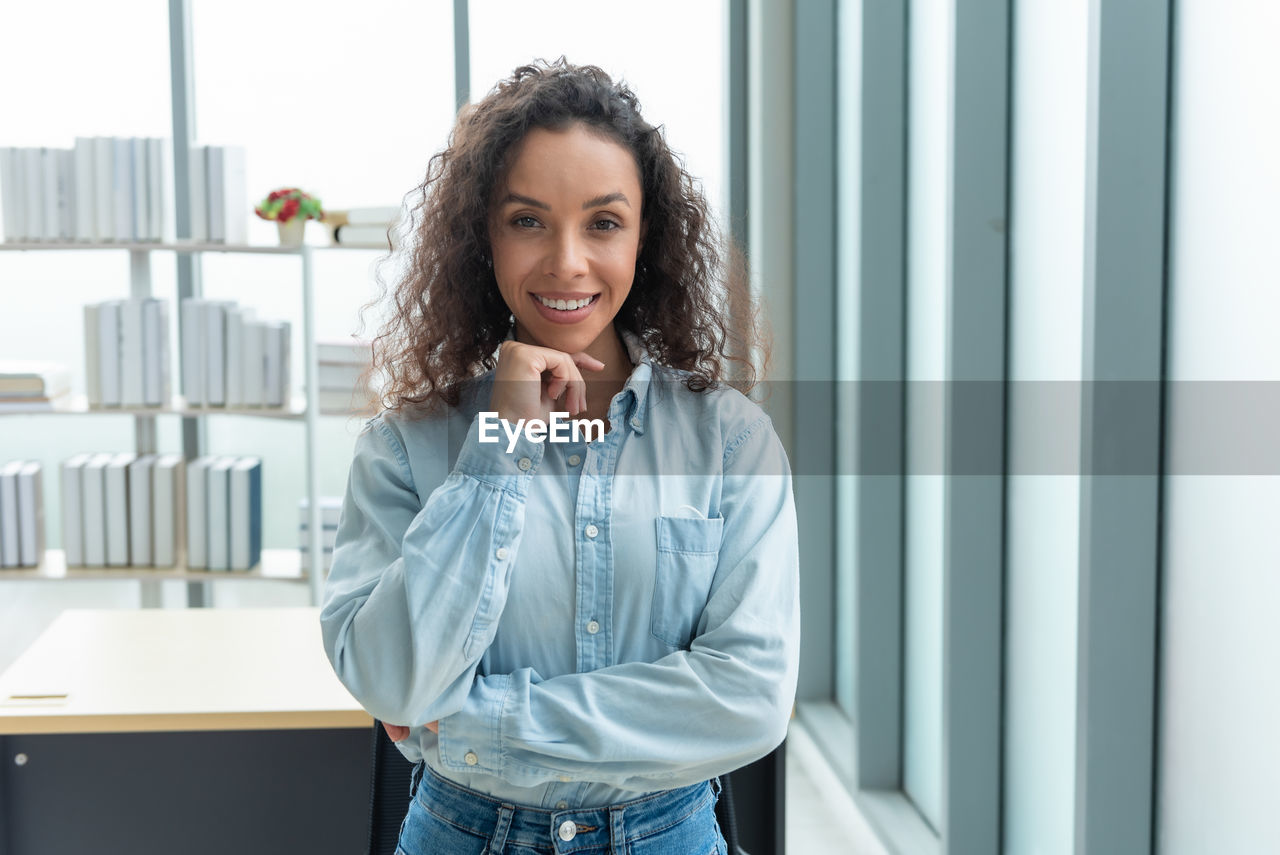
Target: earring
{"points": [[488, 262]]}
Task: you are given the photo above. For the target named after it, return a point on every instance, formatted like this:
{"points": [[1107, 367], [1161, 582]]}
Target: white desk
{"points": [[188, 730]]}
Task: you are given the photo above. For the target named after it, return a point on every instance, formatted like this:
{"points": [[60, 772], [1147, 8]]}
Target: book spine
{"points": [[218, 499], [66, 161], [117, 509], [235, 195], [217, 190], [122, 188], [34, 171], [109, 352], [72, 511], [30, 516], [155, 352], [139, 170], [9, 203], [168, 495], [140, 511], [104, 228], [86, 227], [155, 188], [215, 332], [272, 353], [10, 548], [92, 357], [254, 335], [234, 374], [49, 190], [193, 351], [132, 372], [199, 175], [93, 498], [197, 517]]}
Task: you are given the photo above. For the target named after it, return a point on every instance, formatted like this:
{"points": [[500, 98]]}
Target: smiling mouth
{"points": [[566, 305]]}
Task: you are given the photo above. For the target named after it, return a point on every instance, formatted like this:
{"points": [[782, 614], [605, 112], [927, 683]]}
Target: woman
{"points": [[571, 639]]}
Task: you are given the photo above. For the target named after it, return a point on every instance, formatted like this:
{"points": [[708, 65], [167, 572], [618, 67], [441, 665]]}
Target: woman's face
{"points": [[565, 229]]}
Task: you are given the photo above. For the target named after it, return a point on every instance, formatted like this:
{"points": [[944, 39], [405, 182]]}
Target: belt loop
{"points": [[499, 841], [617, 832], [416, 778]]}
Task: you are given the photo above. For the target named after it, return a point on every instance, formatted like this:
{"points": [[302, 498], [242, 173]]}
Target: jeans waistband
{"points": [[567, 831]]}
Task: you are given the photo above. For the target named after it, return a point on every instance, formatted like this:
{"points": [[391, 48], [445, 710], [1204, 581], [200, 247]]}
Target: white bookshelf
{"points": [[276, 564]]}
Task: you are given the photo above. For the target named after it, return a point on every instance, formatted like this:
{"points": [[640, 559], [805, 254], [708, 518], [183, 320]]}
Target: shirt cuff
{"points": [[471, 739], [496, 460]]}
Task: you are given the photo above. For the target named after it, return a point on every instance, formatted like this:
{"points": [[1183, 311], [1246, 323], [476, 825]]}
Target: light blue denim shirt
{"points": [[587, 622]]}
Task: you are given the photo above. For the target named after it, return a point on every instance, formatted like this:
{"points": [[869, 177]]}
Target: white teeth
{"points": [[565, 305]]}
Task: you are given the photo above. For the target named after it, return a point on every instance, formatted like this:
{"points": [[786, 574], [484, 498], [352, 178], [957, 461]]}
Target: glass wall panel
{"points": [[1043, 500], [929, 49], [1219, 752]]}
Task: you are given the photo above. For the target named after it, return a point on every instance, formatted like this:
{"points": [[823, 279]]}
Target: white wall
{"points": [[1219, 753]]}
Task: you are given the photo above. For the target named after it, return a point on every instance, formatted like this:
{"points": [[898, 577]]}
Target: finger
{"points": [[434, 727], [556, 387], [396, 732], [584, 360]]}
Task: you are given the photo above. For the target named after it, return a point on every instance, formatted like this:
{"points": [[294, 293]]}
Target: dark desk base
{"points": [[197, 793]]}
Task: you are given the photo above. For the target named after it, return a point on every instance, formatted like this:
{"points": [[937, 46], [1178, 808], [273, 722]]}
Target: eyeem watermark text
{"points": [[561, 428]]}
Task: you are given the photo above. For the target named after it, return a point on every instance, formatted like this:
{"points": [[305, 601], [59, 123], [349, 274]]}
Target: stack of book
{"points": [[126, 353], [230, 359], [368, 227], [120, 189], [224, 513], [330, 512], [344, 377], [21, 515], [26, 385], [122, 510]]}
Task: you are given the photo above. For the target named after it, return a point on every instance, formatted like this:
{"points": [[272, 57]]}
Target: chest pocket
{"points": [[688, 550]]}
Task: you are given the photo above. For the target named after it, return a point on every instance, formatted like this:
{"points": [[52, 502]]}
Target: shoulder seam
{"points": [[734, 444], [396, 448]]}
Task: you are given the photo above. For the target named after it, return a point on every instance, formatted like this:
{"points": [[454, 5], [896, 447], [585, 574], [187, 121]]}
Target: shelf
{"points": [[178, 246], [279, 565], [78, 405]]}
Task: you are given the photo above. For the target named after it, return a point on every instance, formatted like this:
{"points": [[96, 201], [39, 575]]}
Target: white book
{"points": [[92, 358], [132, 373], [10, 545], [215, 344], [234, 362], [344, 352], [122, 188], [167, 218], [197, 512], [155, 184], [155, 352], [246, 513], [116, 487], [340, 376], [66, 194], [140, 511], [104, 227], [34, 171], [84, 184], [109, 353], [254, 335], [10, 203], [273, 341], [216, 199], [198, 173], [219, 517], [141, 195], [235, 199], [30, 515], [49, 188], [93, 497], [72, 472], [193, 350], [168, 501], [286, 364]]}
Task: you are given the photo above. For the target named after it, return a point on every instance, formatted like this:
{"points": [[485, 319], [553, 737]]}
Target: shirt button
{"points": [[471, 758], [561, 805], [574, 460], [568, 830], [564, 779], [501, 553], [591, 531], [593, 626], [524, 463]]}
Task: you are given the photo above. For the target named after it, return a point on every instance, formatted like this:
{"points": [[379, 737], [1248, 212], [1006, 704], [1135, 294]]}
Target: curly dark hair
{"points": [[690, 303]]}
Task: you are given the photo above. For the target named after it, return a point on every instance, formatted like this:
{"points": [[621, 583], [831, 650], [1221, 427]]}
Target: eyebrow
{"points": [[590, 203]]}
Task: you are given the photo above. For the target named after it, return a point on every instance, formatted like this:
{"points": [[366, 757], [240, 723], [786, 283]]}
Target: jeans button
{"points": [[568, 830]]}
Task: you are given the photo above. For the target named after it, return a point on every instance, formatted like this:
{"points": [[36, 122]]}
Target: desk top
{"points": [[115, 671]]}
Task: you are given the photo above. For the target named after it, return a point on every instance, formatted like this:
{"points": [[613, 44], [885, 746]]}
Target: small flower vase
{"points": [[291, 231]]}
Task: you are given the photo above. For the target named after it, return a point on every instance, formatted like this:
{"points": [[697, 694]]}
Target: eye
{"points": [[607, 225], [525, 222]]}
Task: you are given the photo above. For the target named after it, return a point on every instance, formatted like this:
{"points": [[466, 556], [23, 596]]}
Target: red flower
{"points": [[288, 209]]}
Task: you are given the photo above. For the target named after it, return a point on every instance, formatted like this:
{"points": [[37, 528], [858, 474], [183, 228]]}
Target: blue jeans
{"points": [[446, 819]]}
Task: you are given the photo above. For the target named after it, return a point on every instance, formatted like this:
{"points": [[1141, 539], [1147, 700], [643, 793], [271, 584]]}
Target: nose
{"points": [[567, 257]]}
